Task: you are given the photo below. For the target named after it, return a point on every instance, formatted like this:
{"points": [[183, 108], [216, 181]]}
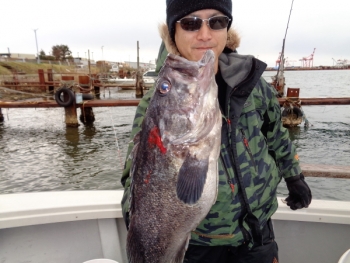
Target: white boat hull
{"points": [[76, 226]]}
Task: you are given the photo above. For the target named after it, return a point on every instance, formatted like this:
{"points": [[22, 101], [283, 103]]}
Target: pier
{"points": [[87, 105], [327, 171], [135, 102], [309, 170]]}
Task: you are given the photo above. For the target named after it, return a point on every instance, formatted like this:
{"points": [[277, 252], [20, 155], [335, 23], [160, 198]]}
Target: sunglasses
{"points": [[195, 23]]}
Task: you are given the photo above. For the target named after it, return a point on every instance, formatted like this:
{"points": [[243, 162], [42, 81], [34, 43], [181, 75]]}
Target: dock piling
{"points": [[50, 79], [42, 80], [1, 116], [84, 83], [87, 115], [139, 85], [97, 91], [71, 116]]}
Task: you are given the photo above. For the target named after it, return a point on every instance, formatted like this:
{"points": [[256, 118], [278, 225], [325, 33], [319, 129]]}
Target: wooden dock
{"points": [[87, 103], [135, 102], [328, 171], [309, 170]]}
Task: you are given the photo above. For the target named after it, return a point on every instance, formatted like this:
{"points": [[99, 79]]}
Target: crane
{"points": [[278, 60], [334, 61], [308, 62], [340, 63], [289, 62]]}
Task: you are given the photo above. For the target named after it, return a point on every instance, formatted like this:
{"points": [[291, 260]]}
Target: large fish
{"points": [[174, 171]]}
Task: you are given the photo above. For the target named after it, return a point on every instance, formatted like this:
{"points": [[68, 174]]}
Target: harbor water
{"points": [[38, 153]]}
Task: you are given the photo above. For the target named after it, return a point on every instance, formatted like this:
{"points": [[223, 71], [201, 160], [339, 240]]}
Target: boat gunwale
{"points": [[37, 208]]}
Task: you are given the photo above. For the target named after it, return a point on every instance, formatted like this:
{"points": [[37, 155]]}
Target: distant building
{"points": [[83, 62], [143, 65], [115, 68], [18, 56], [5, 55]]}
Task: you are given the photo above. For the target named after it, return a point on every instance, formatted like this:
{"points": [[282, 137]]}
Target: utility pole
{"points": [[89, 65], [37, 50], [139, 81], [103, 65], [138, 66]]}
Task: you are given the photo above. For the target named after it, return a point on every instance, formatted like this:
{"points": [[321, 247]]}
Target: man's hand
{"points": [[299, 192]]}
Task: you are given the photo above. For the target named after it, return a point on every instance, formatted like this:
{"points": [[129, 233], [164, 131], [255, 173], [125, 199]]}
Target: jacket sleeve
{"points": [[139, 116], [279, 143]]}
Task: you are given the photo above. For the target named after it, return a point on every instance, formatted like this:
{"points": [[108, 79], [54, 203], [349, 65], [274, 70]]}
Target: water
{"points": [[38, 153]]}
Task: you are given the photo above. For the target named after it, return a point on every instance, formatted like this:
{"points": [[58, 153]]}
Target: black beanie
{"points": [[177, 9]]}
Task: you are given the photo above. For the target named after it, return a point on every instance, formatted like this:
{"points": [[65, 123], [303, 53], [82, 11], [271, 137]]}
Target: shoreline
{"points": [[314, 68]]}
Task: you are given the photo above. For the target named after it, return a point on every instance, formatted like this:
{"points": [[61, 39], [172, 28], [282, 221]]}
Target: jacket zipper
{"points": [[229, 180], [246, 144], [241, 193]]}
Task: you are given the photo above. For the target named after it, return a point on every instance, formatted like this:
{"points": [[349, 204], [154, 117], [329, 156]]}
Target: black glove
{"points": [[299, 192]]}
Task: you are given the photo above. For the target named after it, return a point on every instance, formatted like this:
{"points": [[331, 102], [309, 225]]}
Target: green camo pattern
{"points": [[260, 163]]}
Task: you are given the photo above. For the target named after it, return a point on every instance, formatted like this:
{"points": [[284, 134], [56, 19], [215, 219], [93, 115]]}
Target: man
{"points": [[256, 151]]}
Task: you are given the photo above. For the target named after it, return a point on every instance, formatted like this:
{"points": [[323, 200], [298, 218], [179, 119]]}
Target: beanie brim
{"points": [[178, 9]]}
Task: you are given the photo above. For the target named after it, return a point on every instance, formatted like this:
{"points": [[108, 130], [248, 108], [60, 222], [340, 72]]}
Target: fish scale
{"points": [[174, 161]]}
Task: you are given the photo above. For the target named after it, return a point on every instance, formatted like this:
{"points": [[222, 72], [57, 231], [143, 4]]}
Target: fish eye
{"points": [[164, 87]]}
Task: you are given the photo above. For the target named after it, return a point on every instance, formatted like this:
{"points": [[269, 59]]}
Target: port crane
{"points": [[290, 62], [340, 63], [308, 62], [278, 60]]}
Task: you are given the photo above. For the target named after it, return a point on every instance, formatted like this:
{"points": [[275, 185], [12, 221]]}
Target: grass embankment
{"points": [[4, 71], [32, 68]]}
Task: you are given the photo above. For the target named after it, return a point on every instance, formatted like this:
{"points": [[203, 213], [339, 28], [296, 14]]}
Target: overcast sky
{"points": [[110, 29]]}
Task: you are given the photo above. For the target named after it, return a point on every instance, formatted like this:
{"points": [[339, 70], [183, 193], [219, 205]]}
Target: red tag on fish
{"points": [[154, 139]]}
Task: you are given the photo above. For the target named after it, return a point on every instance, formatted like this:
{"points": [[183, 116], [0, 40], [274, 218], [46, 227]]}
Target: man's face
{"points": [[193, 44]]}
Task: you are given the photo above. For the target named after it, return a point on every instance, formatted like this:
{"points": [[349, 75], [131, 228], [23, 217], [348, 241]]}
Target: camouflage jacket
{"points": [[256, 153]]}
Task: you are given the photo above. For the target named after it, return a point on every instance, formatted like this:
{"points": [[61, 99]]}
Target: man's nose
{"points": [[204, 32]]}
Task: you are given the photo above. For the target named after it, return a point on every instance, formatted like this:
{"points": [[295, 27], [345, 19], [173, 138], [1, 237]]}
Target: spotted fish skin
{"points": [[174, 172]]}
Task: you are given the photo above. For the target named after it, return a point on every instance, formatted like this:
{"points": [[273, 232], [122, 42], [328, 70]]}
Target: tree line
{"points": [[58, 52]]}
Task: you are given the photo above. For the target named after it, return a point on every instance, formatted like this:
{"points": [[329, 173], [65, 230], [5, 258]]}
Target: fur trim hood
{"points": [[233, 39]]}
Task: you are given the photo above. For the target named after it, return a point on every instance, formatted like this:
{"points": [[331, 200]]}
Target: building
{"points": [[20, 56], [143, 65]]}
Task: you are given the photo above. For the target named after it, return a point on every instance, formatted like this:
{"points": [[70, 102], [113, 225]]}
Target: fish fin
{"points": [[137, 137], [181, 253], [136, 142], [191, 179]]}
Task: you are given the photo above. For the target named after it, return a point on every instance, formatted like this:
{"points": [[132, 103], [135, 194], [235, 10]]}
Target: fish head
{"points": [[186, 93]]}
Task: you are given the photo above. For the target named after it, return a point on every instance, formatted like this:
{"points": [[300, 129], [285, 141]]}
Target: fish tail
{"points": [[134, 249]]}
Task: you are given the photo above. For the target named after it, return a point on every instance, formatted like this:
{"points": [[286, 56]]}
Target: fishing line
{"points": [[116, 141]]}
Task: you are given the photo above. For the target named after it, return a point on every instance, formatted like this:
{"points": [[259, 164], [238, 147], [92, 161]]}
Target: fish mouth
{"points": [[208, 58], [191, 68]]}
